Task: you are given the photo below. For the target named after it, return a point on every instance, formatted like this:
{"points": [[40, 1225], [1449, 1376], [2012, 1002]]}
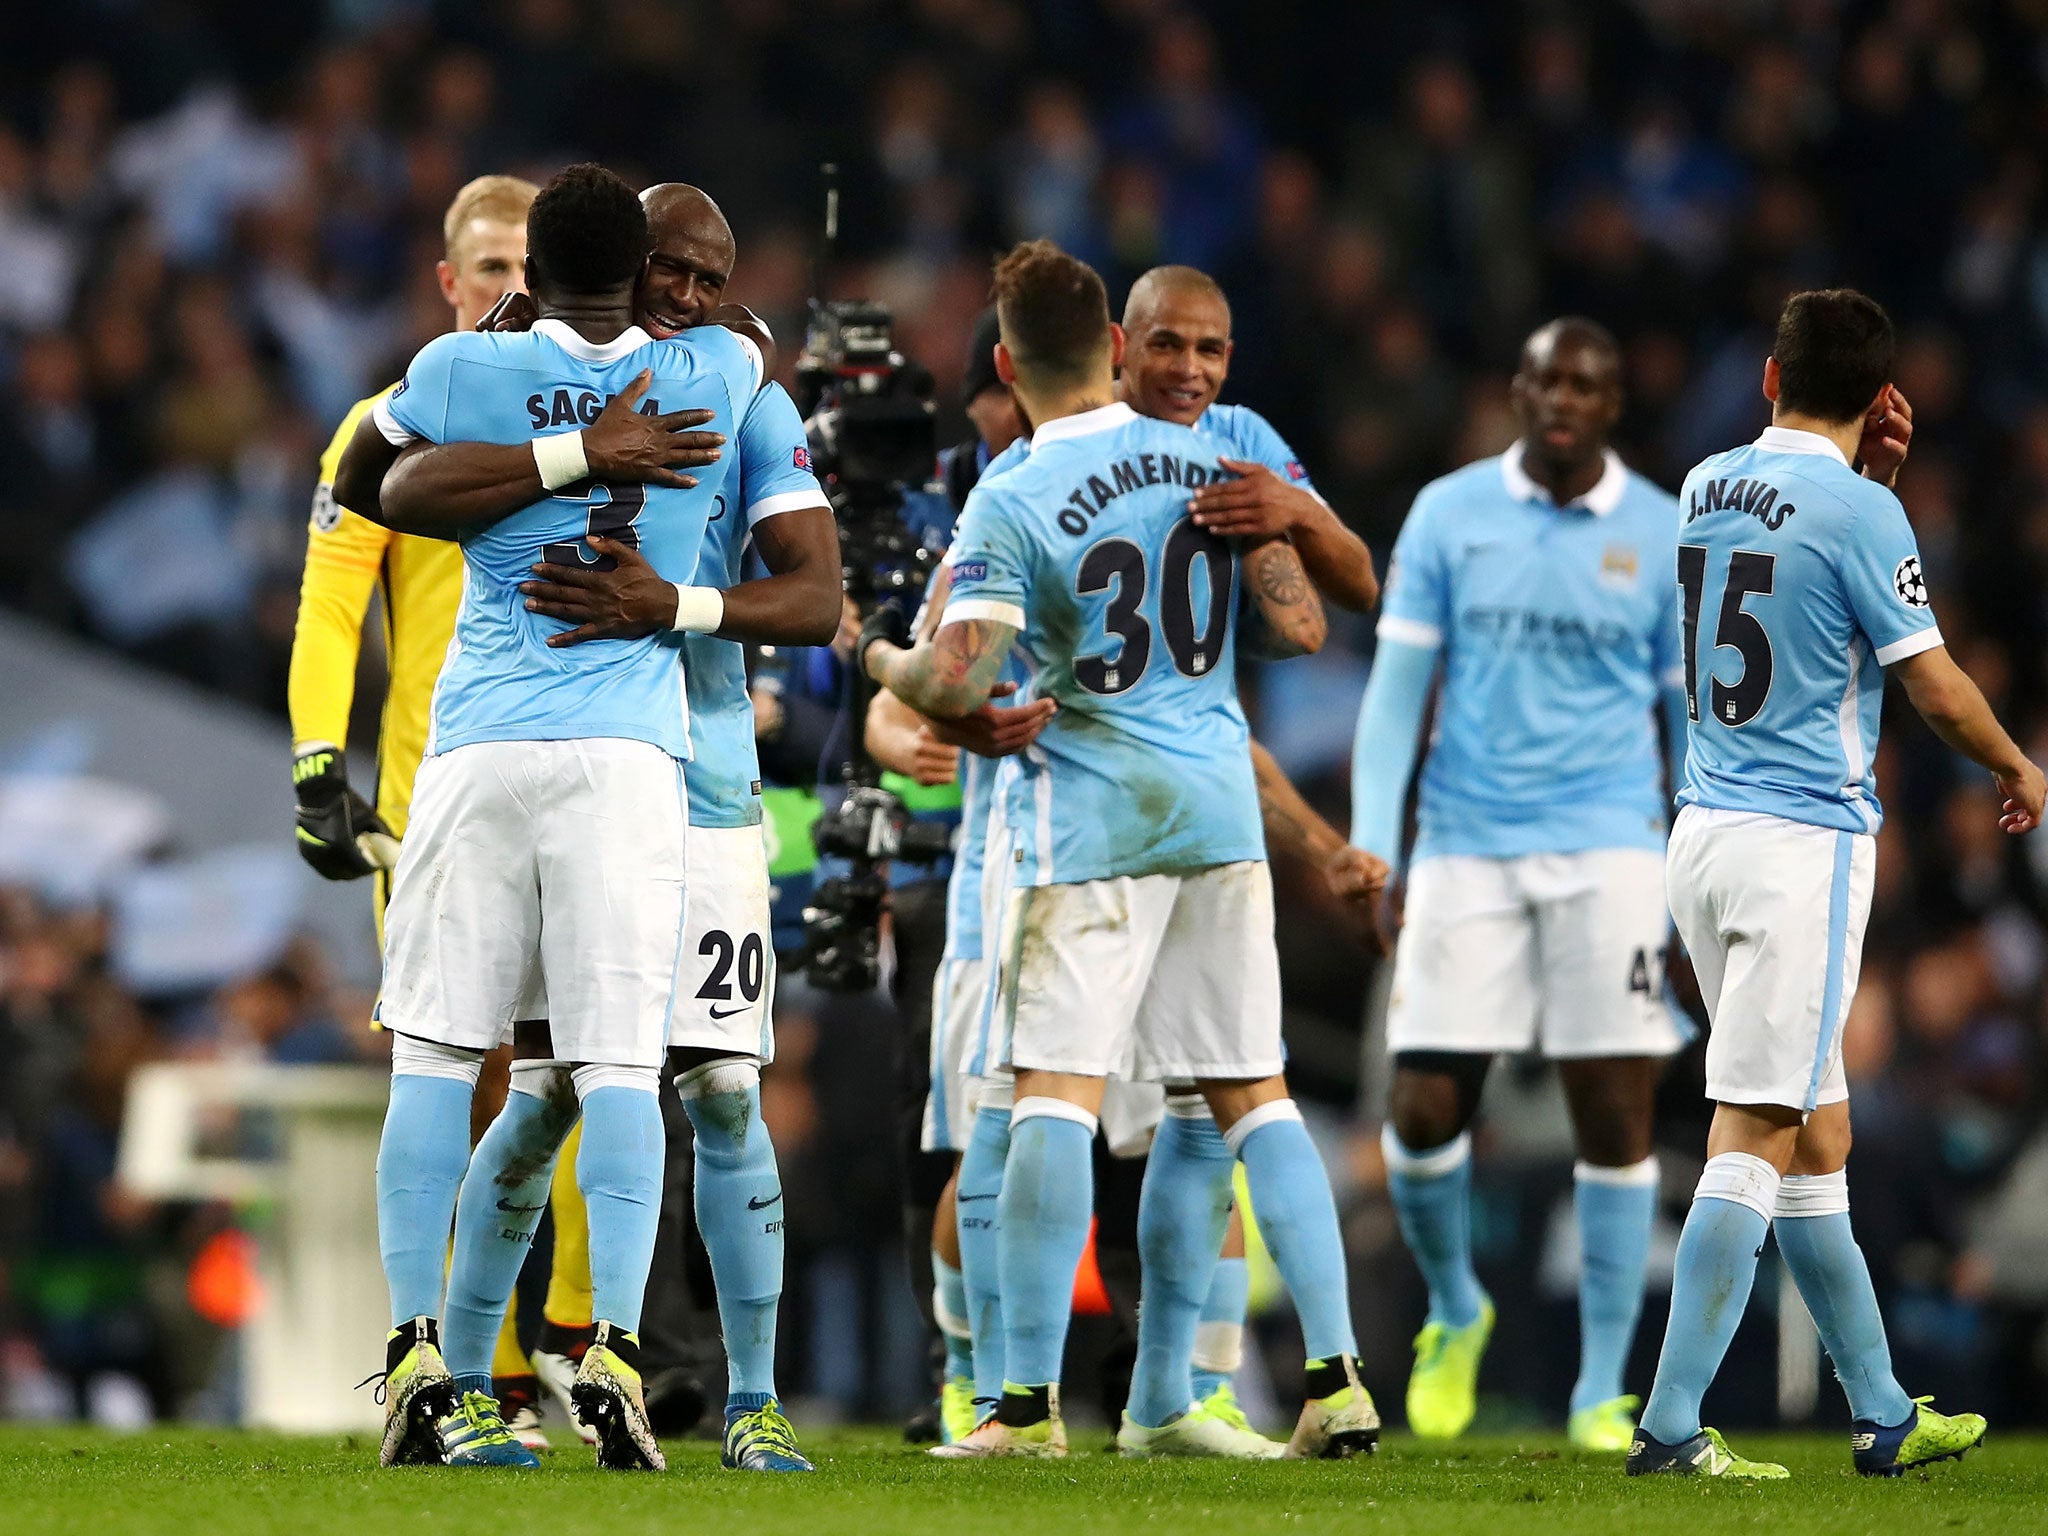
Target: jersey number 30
{"points": [[1738, 629], [1120, 564]]}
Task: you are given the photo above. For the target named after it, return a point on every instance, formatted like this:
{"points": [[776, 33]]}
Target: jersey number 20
{"points": [[1120, 564], [1738, 629]]}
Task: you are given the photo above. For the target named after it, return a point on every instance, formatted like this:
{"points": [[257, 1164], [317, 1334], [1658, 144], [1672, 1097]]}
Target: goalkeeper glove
{"points": [[338, 833], [888, 622]]}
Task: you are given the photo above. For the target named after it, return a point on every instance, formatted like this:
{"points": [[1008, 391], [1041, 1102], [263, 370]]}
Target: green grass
{"points": [[83, 1483]]}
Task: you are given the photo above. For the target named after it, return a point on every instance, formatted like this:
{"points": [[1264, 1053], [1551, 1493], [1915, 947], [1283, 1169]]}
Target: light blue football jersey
{"points": [[1799, 582], [1128, 616], [774, 464], [501, 681], [1557, 631]]}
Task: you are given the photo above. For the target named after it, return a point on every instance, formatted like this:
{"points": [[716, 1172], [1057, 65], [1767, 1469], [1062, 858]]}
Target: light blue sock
{"points": [[1298, 1218], [420, 1160], [618, 1170], [1834, 1281], [1048, 1197], [1432, 1194], [1223, 1312], [504, 1195], [1183, 1212], [739, 1212], [1615, 1207], [1717, 1253], [976, 1208], [949, 1304]]}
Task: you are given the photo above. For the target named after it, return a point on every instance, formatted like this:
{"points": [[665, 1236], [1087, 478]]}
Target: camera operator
{"points": [[925, 772]]}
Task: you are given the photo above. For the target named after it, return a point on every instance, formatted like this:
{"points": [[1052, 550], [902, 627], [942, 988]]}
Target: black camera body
{"points": [[873, 435]]}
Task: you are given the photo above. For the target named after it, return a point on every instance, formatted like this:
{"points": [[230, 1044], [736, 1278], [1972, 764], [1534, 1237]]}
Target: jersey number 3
{"points": [[1738, 629], [611, 518], [1120, 564]]}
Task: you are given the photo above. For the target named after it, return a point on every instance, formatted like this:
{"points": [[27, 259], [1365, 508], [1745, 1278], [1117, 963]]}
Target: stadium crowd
{"points": [[215, 238]]}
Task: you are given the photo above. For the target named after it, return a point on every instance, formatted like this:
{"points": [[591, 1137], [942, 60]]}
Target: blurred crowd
{"points": [[218, 226]]}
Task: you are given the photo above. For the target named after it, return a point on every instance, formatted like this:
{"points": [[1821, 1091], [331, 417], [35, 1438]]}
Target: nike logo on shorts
{"points": [[964, 1199], [762, 1205], [726, 1013]]}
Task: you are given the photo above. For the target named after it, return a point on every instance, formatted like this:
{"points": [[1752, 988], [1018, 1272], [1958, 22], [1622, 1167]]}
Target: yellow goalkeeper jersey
{"points": [[347, 558]]}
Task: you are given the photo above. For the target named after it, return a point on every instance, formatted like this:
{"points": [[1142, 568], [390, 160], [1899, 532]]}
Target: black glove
{"points": [[338, 833], [887, 622]]}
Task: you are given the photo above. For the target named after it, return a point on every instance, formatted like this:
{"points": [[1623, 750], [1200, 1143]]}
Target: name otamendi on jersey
{"points": [[1127, 616]]}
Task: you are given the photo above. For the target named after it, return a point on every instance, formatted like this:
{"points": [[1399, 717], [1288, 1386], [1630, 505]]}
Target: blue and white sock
{"points": [[1183, 1212], [1219, 1338], [1047, 1201], [1615, 1207], [420, 1158], [618, 1170], [1717, 1253], [1819, 1248], [739, 1213], [1432, 1194], [1298, 1217], [504, 1195], [949, 1311], [977, 1205]]}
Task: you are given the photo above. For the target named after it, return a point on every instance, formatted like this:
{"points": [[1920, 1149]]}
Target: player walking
{"points": [[1799, 583], [1534, 915], [523, 879], [1141, 939]]}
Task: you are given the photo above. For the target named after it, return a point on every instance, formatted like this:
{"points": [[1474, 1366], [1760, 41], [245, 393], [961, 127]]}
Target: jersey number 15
{"points": [[1738, 629]]}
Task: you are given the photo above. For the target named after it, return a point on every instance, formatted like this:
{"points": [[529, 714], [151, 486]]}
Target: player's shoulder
{"points": [[1820, 485], [1647, 503], [1470, 485], [1235, 424]]}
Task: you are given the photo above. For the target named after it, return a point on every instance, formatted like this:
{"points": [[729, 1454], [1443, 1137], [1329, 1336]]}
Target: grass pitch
{"points": [[83, 1483]]}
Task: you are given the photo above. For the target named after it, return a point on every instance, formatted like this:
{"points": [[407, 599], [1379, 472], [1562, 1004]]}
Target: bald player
{"points": [[1177, 353], [1537, 584], [720, 1030]]}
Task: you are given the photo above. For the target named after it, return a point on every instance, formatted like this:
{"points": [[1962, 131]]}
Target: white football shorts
{"points": [[1772, 912], [1150, 978], [541, 879], [1562, 951], [725, 993]]}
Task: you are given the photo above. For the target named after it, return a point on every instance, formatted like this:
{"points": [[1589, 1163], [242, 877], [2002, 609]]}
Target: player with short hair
{"points": [[1136, 844], [523, 886], [418, 584], [1533, 916], [1178, 346], [720, 1032], [1799, 583]]}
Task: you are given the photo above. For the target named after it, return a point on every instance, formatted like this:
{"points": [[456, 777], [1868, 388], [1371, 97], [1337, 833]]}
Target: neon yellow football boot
{"points": [[1443, 1389]]}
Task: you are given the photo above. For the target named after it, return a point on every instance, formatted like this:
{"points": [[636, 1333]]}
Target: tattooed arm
{"points": [[1288, 615], [1295, 830], [949, 675]]}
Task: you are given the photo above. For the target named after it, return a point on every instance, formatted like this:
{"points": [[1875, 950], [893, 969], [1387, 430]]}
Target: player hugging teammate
{"points": [[582, 875]]}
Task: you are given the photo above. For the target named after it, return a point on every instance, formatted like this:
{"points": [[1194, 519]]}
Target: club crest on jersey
{"points": [[801, 458], [1618, 566], [1295, 470], [326, 510], [1910, 584]]}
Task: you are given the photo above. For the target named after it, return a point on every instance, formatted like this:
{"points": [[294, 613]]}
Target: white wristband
{"points": [[699, 610], [560, 459]]}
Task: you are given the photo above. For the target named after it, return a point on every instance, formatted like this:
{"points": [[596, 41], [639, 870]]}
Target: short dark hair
{"points": [[1834, 349], [1053, 310], [586, 231]]}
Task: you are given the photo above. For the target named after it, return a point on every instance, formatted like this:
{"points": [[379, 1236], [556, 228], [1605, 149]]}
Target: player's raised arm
{"points": [[1258, 503], [1289, 614], [1957, 711], [440, 489]]}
